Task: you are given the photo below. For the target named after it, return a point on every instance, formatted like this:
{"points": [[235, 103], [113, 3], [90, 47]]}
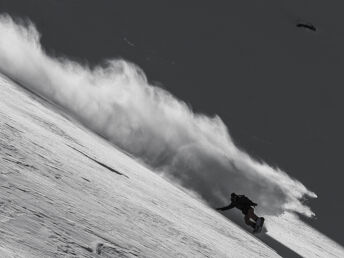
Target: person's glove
{"points": [[255, 204]]}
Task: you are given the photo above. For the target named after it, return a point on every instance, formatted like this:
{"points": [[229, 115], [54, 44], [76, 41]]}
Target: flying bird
{"points": [[308, 26]]}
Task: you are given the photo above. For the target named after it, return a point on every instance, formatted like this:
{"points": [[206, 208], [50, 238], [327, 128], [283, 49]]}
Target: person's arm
{"points": [[228, 207], [253, 204]]}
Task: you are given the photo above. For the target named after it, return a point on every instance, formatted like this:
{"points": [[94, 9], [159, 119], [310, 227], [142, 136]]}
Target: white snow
{"points": [[302, 238], [62, 195], [56, 201]]}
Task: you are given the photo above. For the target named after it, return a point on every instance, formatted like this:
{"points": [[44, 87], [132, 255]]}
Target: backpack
{"points": [[244, 200]]}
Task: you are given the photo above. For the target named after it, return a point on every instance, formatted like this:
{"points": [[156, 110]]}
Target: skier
{"points": [[244, 204]]}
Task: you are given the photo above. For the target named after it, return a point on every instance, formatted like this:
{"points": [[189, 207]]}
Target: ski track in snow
{"points": [[56, 202]]}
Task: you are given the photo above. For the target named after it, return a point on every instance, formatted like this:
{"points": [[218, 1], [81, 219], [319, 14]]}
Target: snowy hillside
{"points": [[107, 164], [65, 192]]}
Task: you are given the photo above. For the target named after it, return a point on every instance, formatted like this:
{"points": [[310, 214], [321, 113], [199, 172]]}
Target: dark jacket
{"points": [[242, 203]]}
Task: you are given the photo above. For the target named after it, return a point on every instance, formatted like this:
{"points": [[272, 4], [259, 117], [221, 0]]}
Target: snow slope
{"points": [[67, 192]]}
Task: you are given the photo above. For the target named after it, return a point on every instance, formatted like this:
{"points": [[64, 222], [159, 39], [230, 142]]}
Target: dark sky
{"points": [[276, 86]]}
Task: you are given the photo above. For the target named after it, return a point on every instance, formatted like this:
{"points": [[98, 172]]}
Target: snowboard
{"points": [[259, 225]]}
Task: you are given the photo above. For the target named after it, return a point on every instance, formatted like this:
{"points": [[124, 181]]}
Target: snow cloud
{"points": [[116, 101]]}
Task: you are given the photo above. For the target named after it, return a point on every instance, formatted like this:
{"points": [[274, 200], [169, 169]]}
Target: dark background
{"points": [[276, 86]]}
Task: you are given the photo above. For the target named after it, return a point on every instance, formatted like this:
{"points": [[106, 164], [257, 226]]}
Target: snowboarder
{"points": [[244, 204]]}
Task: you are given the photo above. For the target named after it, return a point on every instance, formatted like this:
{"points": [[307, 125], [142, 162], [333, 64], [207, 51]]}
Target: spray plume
{"points": [[116, 101]]}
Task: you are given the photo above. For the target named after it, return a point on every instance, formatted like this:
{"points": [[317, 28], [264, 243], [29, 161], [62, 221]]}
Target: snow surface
{"points": [[56, 201], [66, 192]]}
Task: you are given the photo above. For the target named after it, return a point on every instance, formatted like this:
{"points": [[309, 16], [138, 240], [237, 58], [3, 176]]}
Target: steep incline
{"points": [[65, 191]]}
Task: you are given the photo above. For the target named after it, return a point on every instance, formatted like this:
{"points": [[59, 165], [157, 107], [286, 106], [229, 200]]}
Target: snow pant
{"points": [[250, 215]]}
